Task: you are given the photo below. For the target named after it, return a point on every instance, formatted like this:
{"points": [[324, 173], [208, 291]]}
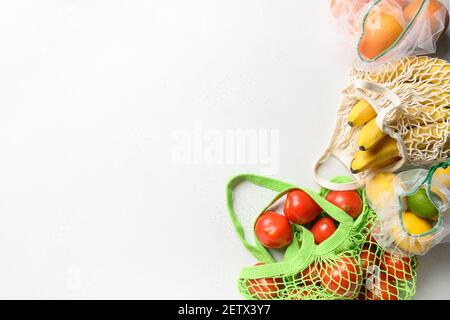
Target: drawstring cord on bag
{"points": [[429, 177]]}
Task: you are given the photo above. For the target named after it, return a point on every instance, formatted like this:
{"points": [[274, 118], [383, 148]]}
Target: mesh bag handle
{"points": [[396, 42], [260, 253], [331, 185], [298, 256]]}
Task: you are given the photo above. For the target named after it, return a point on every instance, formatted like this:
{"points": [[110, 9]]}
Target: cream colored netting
{"points": [[423, 85], [420, 123]]}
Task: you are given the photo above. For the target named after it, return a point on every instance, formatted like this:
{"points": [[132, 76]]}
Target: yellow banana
{"points": [[441, 99], [369, 135], [422, 137], [384, 154], [361, 113], [439, 71], [428, 114]]}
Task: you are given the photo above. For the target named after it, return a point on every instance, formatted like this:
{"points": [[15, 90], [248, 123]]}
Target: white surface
{"points": [[96, 100]]}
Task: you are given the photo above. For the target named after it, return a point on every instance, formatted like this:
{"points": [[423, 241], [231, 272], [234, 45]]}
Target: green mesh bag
{"points": [[387, 276], [333, 270]]}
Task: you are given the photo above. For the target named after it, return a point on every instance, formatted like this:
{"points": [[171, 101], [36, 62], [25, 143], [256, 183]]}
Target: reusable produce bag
{"points": [[387, 276], [387, 30], [330, 270], [411, 98], [411, 226]]}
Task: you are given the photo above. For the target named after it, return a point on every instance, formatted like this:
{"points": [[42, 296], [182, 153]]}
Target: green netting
{"points": [[335, 269], [387, 276]]}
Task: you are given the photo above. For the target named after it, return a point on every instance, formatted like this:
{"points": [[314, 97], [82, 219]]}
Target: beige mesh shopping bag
{"points": [[409, 101]]}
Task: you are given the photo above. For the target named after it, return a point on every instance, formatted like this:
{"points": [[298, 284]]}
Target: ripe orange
{"points": [[411, 9], [381, 31]]}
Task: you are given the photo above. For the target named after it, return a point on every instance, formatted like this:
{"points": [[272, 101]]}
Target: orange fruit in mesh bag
{"points": [[434, 9], [380, 32]]}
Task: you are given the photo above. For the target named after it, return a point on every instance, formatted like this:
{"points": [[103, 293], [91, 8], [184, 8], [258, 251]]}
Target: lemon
{"points": [[409, 244], [414, 224]]}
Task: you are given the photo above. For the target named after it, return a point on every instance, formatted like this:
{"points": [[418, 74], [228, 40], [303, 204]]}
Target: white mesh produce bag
{"points": [[397, 228], [387, 30]]}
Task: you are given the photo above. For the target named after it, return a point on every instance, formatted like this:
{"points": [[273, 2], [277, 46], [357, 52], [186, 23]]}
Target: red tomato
{"points": [[381, 289], [300, 208], [273, 230], [368, 258], [264, 288], [310, 275], [396, 266], [349, 201], [323, 229], [342, 277]]}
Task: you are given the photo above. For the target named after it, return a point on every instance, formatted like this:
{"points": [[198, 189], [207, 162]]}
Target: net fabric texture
{"points": [[337, 269], [420, 124], [395, 227], [422, 27]]}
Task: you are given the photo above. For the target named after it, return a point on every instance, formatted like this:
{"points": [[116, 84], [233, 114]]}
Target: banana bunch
{"points": [[438, 131], [433, 70], [423, 125], [378, 150]]}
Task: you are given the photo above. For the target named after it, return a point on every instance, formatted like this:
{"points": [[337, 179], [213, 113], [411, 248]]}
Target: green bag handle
{"points": [[258, 251], [297, 257], [307, 243], [400, 37]]}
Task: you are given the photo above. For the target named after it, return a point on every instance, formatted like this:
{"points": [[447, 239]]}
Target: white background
{"points": [[93, 95]]}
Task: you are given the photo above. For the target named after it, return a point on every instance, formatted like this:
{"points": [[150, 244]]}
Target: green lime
{"points": [[421, 205]]}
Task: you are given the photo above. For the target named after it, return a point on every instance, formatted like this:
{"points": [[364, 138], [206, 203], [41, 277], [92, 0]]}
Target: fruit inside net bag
{"points": [[349, 264], [387, 30], [391, 119], [412, 209]]}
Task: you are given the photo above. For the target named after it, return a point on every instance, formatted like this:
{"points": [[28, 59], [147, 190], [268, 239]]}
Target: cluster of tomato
{"points": [[383, 272], [341, 279], [376, 275], [274, 230]]}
